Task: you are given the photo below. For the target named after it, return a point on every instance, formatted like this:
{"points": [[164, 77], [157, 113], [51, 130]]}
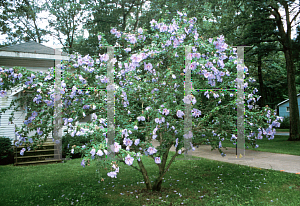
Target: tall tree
{"points": [[292, 11], [104, 15], [68, 15], [20, 21], [285, 39]]}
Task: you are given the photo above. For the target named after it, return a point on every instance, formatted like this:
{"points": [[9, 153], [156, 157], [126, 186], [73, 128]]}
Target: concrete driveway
{"points": [[282, 133], [265, 160]]}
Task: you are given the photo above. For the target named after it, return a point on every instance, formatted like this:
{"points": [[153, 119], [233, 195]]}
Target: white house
{"points": [[35, 57]]}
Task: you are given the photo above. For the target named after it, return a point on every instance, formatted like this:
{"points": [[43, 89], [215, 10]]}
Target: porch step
{"points": [[43, 162], [44, 154]]}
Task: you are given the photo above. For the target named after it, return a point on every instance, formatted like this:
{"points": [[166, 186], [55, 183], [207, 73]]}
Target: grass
{"points": [[277, 145], [194, 182], [282, 130]]}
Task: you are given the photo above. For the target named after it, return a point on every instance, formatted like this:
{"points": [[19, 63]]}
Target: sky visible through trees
{"points": [[54, 43]]}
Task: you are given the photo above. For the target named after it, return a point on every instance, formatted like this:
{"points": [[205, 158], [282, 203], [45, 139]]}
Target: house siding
{"points": [[35, 64], [283, 108], [7, 129]]}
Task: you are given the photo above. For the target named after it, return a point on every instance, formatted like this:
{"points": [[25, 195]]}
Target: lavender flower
{"points": [[93, 152], [157, 160], [99, 153], [22, 151], [151, 150], [82, 163], [129, 160], [179, 113]]}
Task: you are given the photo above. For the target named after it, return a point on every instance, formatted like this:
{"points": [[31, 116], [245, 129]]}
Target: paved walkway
{"points": [[282, 133], [265, 160]]}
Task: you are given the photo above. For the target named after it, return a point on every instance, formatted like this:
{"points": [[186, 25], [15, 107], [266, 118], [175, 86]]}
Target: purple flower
{"points": [[28, 82], [82, 163], [127, 50], [140, 30], [136, 58], [47, 78], [113, 31], [151, 150], [48, 102], [93, 152], [129, 160], [132, 39], [179, 13], [112, 174], [152, 22], [99, 153], [27, 122], [3, 93], [39, 131], [136, 142], [189, 135], [22, 151], [164, 28], [166, 111], [180, 113], [157, 160], [34, 113], [117, 147], [86, 106], [118, 34], [141, 118], [135, 127], [37, 99], [127, 142], [193, 66], [104, 57], [148, 66], [196, 112]]}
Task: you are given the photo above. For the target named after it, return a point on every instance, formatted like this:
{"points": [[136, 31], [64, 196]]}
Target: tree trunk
{"points": [[261, 84], [145, 175], [157, 186], [293, 103]]}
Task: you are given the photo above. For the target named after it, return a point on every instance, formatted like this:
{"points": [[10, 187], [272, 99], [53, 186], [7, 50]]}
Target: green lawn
{"points": [[194, 182], [282, 130], [277, 145]]}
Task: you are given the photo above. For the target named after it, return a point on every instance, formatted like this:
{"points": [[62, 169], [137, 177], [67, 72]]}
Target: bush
{"points": [[76, 140], [6, 151], [285, 124]]}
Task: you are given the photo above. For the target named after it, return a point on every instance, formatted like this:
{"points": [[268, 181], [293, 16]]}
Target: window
{"points": [[287, 109]]}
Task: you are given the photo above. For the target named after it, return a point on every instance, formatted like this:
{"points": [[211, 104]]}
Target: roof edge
{"points": [[285, 101]]}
